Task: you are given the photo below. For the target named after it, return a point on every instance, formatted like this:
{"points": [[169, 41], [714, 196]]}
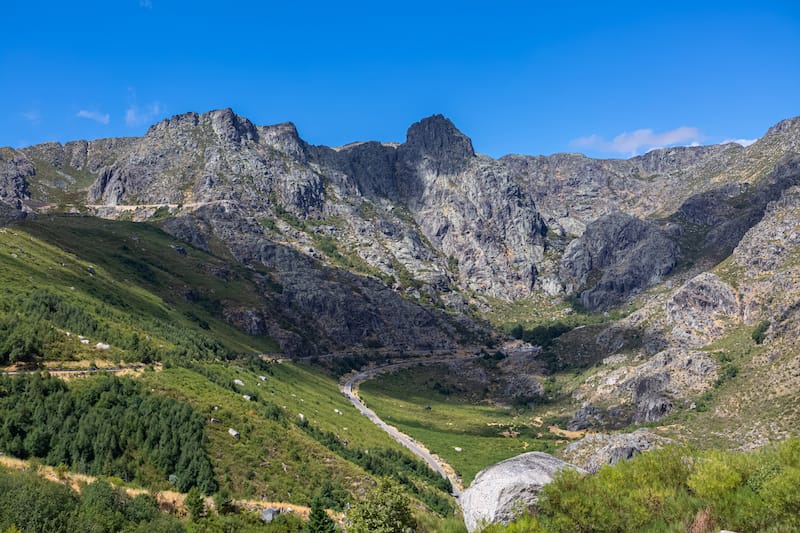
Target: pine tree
{"points": [[318, 520], [194, 503]]}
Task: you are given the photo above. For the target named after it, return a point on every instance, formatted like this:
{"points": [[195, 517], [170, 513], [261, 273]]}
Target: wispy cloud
{"points": [[33, 116], [639, 141], [147, 4], [743, 142], [138, 116], [102, 118]]}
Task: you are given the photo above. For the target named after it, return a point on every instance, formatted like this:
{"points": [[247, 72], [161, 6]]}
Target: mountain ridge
{"points": [[435, 222]]}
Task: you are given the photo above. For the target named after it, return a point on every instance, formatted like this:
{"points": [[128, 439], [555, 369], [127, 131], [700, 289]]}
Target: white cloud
{"points": [[138, 116], [33, 116], [102, 118], [743, 142], [640, 141]]}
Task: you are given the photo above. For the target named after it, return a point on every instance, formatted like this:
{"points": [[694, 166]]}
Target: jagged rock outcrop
{"points": [[213, 157], [433, 147], [572, 190], [499, 493], [597, 450], [710, 224], [485, 221], [618, 255], [82, 156]]}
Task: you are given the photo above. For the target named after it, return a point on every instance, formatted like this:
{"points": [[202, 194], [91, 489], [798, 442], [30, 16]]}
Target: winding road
{"points": [[350, 389]]}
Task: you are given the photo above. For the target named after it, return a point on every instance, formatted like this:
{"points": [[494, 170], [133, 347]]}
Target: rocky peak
{"points": [[176, 121], [789, 125], [440, 144], [231, 128], [785, 133], [284, 138]]}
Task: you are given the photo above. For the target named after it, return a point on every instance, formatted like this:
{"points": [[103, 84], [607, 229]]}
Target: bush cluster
{"points": [[674, 489]]}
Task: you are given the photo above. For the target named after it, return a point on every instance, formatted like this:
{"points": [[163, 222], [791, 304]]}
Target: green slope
{"points": [[123, 284]]}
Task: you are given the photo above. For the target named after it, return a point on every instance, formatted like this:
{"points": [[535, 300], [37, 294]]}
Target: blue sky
{"points": [[604, 78]]}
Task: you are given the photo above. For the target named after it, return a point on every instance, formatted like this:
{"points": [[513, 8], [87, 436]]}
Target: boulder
{"points": [[499, 492]]}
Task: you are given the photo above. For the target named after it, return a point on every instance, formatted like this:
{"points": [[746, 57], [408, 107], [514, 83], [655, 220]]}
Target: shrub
{"points": [[760, 331]]}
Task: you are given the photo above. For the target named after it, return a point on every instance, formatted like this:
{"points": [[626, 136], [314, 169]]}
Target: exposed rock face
{"points": [[616, 256], [768, 245], [500, 492], [698, 309], [214, 157], [572, 190], [434, 146], [338, 310], [489, 224], [468, 207], [650, 390], [767, 262], [710, 224], [597, 450], [15, 169]]}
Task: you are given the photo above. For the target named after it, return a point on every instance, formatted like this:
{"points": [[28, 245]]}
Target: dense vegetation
{"points": [[28, 502], [105, 426], [31, 503], [676, 490]]}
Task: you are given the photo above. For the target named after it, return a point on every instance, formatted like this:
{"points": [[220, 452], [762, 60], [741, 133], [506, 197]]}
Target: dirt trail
{"points": [[350, 389], [168, 500]]}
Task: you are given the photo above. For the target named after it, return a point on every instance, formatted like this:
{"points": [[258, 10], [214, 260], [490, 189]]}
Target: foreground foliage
{"points": [[676, 490], [386, 509], [31, 503]]}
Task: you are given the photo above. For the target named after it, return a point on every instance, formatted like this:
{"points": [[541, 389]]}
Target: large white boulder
{"points": [[501, 491]]}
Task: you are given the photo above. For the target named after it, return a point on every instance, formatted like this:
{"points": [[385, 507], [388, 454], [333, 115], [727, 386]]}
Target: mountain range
{"points": [[429, 246]]}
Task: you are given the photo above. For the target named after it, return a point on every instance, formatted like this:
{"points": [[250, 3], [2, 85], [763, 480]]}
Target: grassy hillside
{"points": [[84, 289], [468, 435], [276, 454], [126, 285]]}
